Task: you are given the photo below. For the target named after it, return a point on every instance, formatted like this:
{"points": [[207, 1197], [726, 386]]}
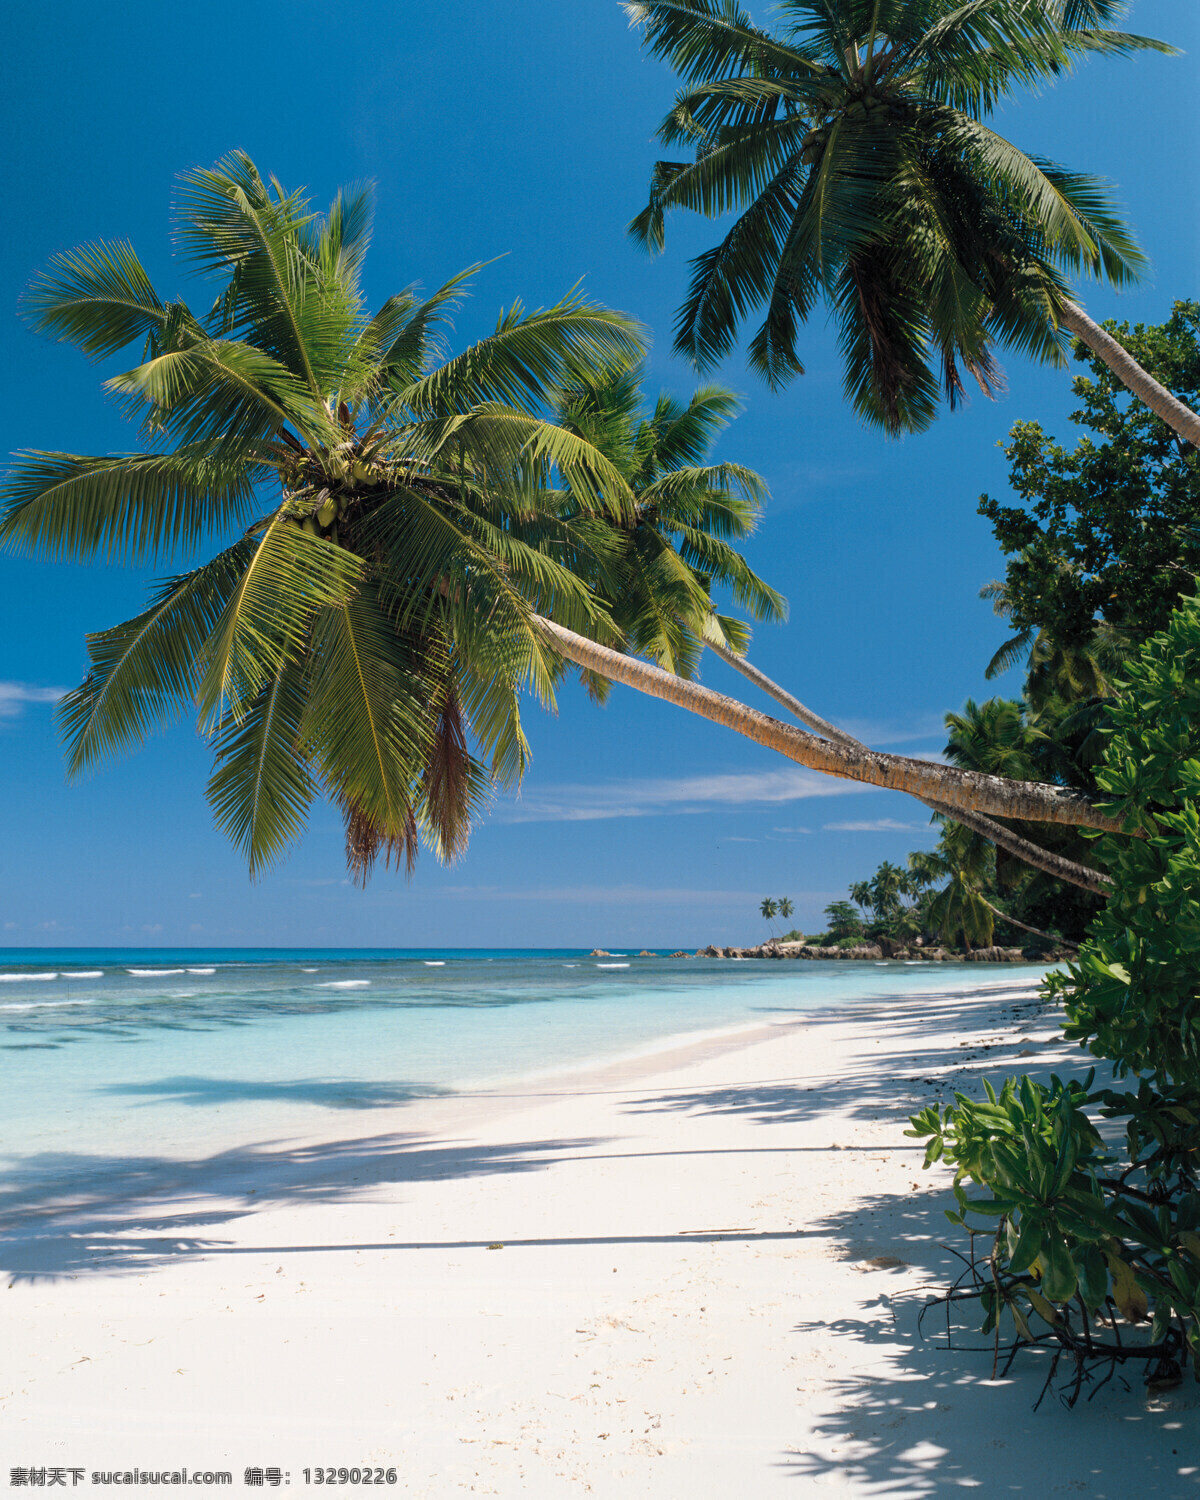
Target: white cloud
{"points": [[594, 895], [902, 731], [152, 926], [877, 825], [15, 695], [656, 796]]}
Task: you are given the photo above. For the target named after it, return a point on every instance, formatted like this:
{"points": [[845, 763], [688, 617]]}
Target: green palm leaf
{"points": [[368, 718], [144, 672], [98, 296], [130, 507], [289, 577], [261, 788]]}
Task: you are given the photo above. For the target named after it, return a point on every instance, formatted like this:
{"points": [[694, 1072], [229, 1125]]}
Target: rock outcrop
{"points": [[886, 948]]}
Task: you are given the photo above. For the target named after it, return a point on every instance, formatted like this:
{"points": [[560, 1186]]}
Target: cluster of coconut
{"points": [[317, 505]]}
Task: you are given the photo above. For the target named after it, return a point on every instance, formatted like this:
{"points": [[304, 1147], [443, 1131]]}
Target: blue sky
{"points": [[521, 130]]}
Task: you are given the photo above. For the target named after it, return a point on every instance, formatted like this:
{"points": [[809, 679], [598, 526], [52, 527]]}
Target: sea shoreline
{"points": [[693, 1273]]}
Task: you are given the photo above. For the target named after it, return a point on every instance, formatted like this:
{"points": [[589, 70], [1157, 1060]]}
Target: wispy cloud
{"points": [[799, 484], [656, 796], [876, 825], [15, 695], [596, 895], [902, 731]]}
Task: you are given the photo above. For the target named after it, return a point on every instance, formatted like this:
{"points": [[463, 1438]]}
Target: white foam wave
{"points": [[84, 974], [43, 1004], [434, 963], [153, 973], [202, 971], [343, 984], [612, 966], [310, 971], [21, 978]]}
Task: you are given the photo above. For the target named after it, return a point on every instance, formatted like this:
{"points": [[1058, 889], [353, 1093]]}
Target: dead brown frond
{"points": [[366, 840]]}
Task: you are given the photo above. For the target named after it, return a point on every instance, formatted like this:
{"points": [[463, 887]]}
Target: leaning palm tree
{"points": [[768, 911], [853, 141], [370, 620], [655, 568], [377, 609]]}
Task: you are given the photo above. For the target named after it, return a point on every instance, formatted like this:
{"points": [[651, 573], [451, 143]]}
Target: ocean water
{"points": [[115, 1055]]}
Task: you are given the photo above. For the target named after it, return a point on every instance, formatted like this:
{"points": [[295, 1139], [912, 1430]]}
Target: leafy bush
{"points": [[1086, 1238], [1073, 1250], [1134, 995]]}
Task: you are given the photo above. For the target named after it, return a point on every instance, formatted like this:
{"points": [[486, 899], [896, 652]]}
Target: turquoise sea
{"points": [[110, 1053]]}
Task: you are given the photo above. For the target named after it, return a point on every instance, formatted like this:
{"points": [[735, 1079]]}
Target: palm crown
{"points": [[656, 572], [853, 142], [370, 624]]}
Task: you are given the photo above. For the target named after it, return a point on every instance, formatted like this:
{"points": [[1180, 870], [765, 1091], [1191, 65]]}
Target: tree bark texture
{"points": [[1031, 801], [1131, 375], [1030, 853]]}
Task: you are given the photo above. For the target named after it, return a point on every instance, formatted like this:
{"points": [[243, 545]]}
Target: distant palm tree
{"points": [[768, 909], [1054, 669], [959, 910], [853, 141], [372, 614], [785, 908]]}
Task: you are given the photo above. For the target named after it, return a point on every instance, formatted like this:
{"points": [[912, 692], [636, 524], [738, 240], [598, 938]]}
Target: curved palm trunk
{"points": [[996, 833], [1032, 801], [1131, 375], [1025, 927]]}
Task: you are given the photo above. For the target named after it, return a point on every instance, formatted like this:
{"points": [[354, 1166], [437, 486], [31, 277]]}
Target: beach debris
{"points": [[496, 1246], [884, 1263]]}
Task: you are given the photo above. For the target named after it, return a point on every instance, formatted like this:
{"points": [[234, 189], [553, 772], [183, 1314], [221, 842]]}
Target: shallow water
{"points": [[119, 1054]]}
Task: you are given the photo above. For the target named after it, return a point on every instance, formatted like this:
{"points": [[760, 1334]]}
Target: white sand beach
{"points": [[693, 1275]]}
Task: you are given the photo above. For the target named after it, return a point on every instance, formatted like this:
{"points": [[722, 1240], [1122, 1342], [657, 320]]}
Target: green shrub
{"points": [[1134, 994], [1083, 1238]]}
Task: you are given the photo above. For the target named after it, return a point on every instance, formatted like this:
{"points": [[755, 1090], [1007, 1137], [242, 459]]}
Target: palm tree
{"points": [[853, 142], [656, 570], [372, 617], [1056, 669], [768, 910], [656, 567], [377, 609], [959, 910], [785, 908]]}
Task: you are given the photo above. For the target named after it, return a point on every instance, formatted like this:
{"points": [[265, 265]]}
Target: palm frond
{"points": [[368, 717], [261, 787], [143, 672], [288, 578], [528, 356], [98, 296], [130, 507]]}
